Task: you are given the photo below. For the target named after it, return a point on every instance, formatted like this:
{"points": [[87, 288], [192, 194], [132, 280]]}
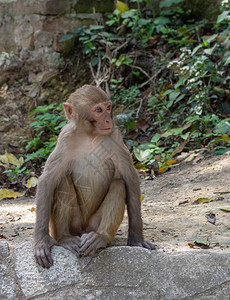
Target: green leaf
{"points": [[221, 151], [168, 92], [143, 21], [172, 97], [156, 138], [143, 155], [146, 146], [196, 49], [202, 242], [66, 37], [227, 61], [180, 82], [185, 136], [223, 127], [128, 14], [209, 51], [168, 3], [212, 38], [225, 208], [132, 143], [174, 131], [161, 21], [180, 98], [94, 61], [223, 16]]}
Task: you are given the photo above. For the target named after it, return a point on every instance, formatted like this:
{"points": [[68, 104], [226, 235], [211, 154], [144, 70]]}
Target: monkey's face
{"points": [[101, 117]]}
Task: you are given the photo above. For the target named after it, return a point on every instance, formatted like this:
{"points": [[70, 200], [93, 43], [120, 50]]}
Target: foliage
{"points": [[128, 95], [46, 128], [179, 65]]}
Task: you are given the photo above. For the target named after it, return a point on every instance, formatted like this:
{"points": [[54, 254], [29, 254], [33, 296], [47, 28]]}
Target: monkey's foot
{"points": [[71, 243], [91, 242], [143, 244]]}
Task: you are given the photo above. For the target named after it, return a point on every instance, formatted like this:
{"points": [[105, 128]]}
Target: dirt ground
{"points": [[171, 218]]}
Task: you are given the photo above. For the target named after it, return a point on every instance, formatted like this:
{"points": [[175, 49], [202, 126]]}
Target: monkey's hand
{"points": [[42, 251], [71, 243], [143, 244], [91, 242]]}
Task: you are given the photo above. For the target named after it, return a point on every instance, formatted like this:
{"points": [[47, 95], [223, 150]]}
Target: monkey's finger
{"points": [[90, 251], [88, 242], [87, 238], [38, 259], [96, 245], [149, 246], [44, 259], [48, 256]]}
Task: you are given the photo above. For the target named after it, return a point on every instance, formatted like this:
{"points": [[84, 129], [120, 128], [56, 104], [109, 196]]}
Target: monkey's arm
{"points": [[133, 197], [48, 181]]}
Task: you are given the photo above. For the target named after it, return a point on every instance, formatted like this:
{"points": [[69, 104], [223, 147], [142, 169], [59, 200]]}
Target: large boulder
{"points": [[124, 273]]}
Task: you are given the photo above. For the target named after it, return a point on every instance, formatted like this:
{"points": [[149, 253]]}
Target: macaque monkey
{"points": [[86, 183]]}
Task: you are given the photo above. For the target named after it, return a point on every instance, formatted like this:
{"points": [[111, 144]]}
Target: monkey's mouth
{"points": [[106, 129]]}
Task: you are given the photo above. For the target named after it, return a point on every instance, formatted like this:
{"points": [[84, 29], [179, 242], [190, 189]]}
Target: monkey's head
{"points": [[90, 105]]}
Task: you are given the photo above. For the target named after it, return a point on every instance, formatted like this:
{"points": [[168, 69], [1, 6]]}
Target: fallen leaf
{"points": [[32, 182], [180, 148], [142, 198], [9, 158], [162, 169], [226, 137], [142, 125], [5, 193], [166, 165], [191, 245], [32, 209], [4, 159], [225, 208], [21, 160], [170, 162], [202, 242], [202, 200], [13, 160]]}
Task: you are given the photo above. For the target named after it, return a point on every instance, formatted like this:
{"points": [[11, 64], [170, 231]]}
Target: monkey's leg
{"points": [[66, 219], [104, 224]]}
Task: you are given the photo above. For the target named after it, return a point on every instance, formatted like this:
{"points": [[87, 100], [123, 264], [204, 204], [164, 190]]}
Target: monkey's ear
{"points": [[69, 110]]}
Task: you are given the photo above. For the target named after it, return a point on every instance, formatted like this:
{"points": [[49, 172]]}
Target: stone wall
{"points": [[33, 28]]}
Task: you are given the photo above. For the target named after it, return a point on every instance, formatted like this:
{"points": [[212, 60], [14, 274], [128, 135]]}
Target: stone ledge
{"points": [[124, 273]]}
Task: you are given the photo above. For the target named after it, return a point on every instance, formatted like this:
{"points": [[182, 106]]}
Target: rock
{"points": [[44, 56], [191, 274], [125, 273], [53, 60], [44, 77], [10, 62], [4, 249], [23, 35], [43, 39], [7, 285], [41, 7], [34, 280]]}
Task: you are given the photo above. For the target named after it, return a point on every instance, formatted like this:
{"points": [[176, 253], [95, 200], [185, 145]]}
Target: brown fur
{"points": [[86, 182]]}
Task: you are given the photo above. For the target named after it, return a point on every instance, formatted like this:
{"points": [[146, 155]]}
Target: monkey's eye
{"points": [[98, 109], [108, 108]]}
